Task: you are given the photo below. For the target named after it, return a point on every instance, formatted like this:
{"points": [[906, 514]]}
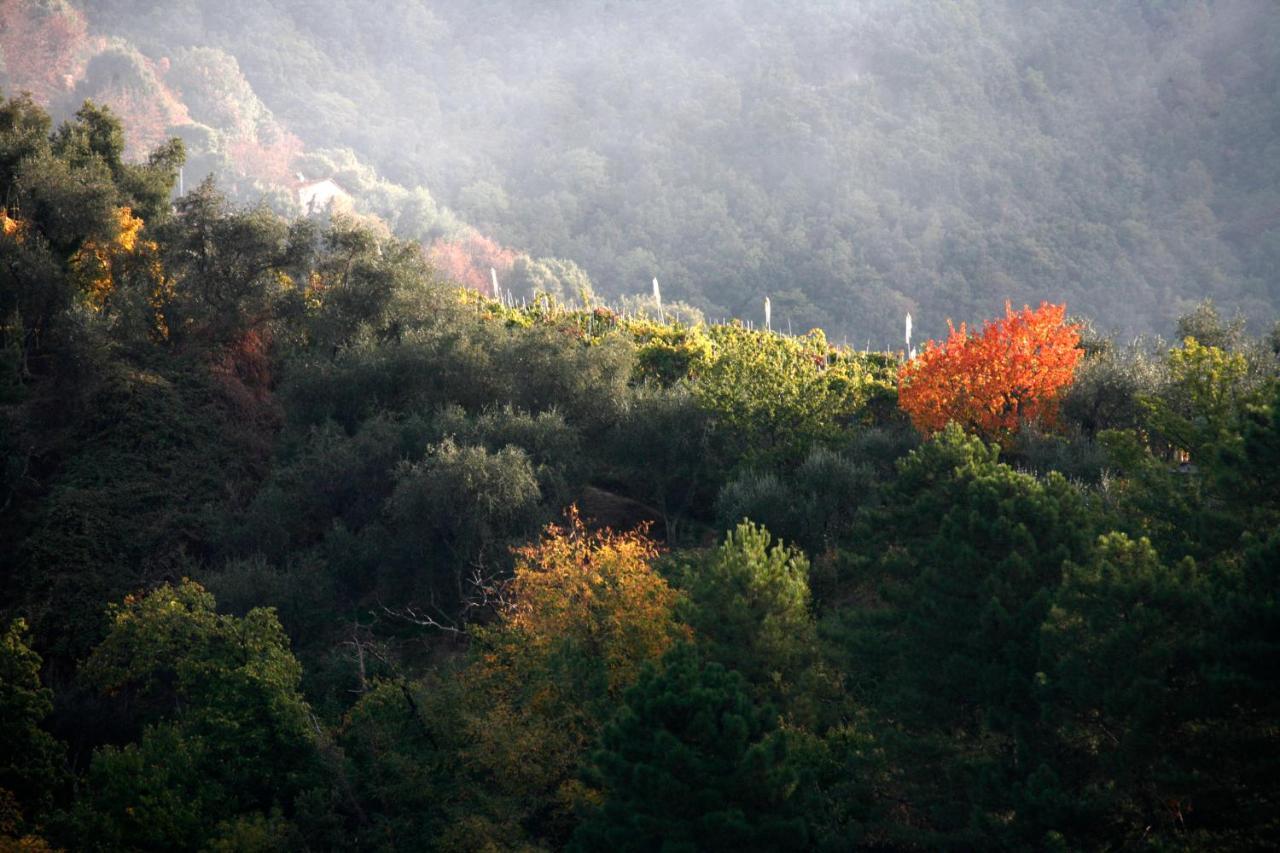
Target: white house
{"points": [[323, 195]]}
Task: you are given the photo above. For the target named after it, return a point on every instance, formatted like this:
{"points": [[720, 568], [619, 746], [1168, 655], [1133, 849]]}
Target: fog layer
{"points": [[851, 160]]}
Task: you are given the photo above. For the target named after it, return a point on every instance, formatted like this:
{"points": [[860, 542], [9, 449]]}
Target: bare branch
{"points": [[484, 592]]}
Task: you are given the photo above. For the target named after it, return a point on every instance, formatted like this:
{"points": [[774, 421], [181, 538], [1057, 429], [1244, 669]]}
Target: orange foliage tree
{"points": [[10, 227], [991, 382]]}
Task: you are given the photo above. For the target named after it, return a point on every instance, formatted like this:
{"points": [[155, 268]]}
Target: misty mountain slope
{"points": [[851, 160]]}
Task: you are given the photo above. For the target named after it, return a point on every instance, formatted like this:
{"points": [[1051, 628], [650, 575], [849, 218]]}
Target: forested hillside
{"points": [[853, 161], [304, 547]]}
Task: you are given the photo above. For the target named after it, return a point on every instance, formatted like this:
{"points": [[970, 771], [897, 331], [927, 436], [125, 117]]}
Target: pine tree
{"points": [[749, 606], [967, 553], [1124, 688], [692, 764]]}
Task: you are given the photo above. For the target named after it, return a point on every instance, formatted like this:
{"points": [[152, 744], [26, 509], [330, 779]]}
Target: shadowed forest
{"points": [[416, 519]]}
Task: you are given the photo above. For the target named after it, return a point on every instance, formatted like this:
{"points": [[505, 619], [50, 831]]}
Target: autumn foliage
{"points": [[148, 114], [9, 226], [582, 616], [597, 586], [267, 156], [101, 267], [991, 382], [98, 263], [467, 261], [42, 46]]}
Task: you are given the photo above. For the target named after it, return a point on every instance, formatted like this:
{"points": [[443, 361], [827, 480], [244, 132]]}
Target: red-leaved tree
{"points": [[467, 261], [993, 381]]}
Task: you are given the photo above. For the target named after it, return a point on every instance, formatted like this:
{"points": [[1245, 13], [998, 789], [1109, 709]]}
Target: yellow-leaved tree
{"points": [[9, 226], [99, 263], [583, 614], [103, 268]]}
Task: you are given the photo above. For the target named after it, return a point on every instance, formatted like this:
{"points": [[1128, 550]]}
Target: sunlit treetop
{"points": [[993, 381], [9, 226], [597, 587]]}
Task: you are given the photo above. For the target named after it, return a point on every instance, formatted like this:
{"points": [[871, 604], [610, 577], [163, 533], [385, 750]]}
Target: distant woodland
{"points": [[853, 161]]}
